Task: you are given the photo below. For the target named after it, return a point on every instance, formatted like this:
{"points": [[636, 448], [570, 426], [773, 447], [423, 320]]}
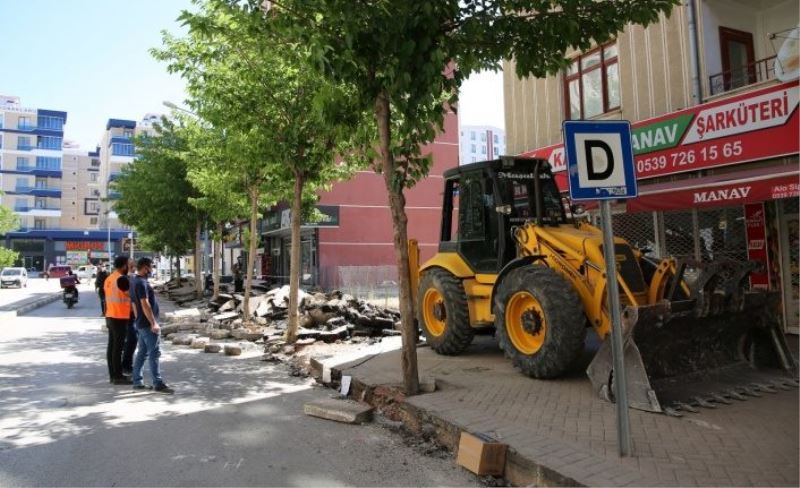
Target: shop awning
{"points": [[718, 190]]}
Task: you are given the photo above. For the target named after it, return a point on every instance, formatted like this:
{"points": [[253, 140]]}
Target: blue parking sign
{"points": [[600, 162]]}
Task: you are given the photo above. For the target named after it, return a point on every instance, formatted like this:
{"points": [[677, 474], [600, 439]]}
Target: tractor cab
{"points": [[484, 202]]}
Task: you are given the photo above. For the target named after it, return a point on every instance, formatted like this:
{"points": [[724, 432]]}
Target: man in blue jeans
{"points": [[144, 299]]}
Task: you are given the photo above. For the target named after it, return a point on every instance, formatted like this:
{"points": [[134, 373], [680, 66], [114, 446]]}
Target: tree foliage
{"points": [[281, 122], [155, 194], [8, 222]]}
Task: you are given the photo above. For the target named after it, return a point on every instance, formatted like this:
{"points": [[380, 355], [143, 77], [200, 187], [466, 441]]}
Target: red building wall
{"points": [[364, 234]]}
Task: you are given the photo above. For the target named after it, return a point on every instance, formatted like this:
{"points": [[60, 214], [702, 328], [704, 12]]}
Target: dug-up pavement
{"points": [[559, 433]]}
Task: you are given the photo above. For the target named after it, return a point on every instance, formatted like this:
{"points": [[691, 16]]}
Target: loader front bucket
{"points": [[678, 357]]}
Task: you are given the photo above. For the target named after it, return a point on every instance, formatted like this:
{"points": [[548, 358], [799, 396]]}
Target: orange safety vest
{"points": [[118, 302]]}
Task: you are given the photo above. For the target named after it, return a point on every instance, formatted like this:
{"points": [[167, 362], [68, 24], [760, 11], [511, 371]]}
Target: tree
{"points": [[155, 195], [405, 59], [294, 120], [8, 222], [210, 173]]}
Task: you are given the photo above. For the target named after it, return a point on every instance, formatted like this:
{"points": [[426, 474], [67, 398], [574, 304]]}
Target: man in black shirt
{"points": [[99, 281]]}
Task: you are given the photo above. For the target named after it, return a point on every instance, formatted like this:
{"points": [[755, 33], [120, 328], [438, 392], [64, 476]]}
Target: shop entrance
{"points": [[790, 264]]}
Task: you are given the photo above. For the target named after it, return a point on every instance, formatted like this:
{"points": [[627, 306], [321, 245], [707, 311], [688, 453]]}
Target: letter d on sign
{"points": [[589, 148], [599, 160]]}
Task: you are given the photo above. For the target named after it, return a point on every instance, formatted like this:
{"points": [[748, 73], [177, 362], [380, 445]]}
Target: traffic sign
{"points": [[600, 161]]}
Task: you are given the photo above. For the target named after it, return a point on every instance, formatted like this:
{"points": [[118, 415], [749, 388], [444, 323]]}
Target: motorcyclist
{"points": [[70, 282]]}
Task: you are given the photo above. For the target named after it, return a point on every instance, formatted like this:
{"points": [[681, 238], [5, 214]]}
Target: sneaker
{"points": [[127, 372], [142, 387], [122, 381], [162, 388]]}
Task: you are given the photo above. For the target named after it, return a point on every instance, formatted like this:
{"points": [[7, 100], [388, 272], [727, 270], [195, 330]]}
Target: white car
{"points": [[86, 272], [13, 277]]}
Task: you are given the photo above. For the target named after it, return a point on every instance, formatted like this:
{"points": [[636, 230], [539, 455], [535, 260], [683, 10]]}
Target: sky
{"points": [[90, 58]]}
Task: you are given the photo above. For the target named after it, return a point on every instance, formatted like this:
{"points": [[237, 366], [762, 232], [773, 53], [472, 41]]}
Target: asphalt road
{"points": [[232, 422]]}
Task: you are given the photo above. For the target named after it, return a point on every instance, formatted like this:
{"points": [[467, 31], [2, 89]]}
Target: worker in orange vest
{"points": [[118, 312]]}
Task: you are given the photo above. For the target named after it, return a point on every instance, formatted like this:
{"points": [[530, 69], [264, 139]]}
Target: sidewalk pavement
{"points": [[560, 433], [25, 305]]}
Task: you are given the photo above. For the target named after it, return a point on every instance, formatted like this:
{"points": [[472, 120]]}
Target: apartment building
{"points": [[712, 94], [480, 143], [31, 172], [62, 195]]}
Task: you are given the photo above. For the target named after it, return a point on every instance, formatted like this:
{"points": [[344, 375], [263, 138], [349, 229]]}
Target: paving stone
{"points": [[339, 410]]}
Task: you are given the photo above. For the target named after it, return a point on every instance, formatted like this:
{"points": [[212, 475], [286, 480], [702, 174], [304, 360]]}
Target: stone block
{"points": [[339, 410], [233, 350]]}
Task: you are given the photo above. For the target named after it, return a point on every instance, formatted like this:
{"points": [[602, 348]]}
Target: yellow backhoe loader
{"points": [[512, 259]]}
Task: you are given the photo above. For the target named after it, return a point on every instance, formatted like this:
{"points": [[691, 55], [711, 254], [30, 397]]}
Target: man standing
{"points": [[99, 283], [144, 299], [118, 311], [131, 337]]}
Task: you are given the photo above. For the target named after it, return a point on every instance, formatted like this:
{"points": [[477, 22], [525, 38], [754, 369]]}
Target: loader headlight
{"points": [[503, 209]]}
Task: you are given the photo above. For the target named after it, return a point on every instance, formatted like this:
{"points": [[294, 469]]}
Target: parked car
{"points": [[58, 271], [86, 272], [13, 277]]}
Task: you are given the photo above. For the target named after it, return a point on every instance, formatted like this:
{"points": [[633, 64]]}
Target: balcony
{"points": [[26, 127], [750, 74], [47, 171], [39, 210], [38, 191], [114, 176]]}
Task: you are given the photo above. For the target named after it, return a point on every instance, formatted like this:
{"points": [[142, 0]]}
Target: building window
{"points": [[92, 207], [127, 133], [21, 184], [591, 83], [51, 123], [22, 164], [118, 149], [93, 177], [472, 135], [39, 223], [473, 149], [496, 139], [24, 123], [48, 163], [93, 221], [24, 143], [483, 149], [48, 142]]}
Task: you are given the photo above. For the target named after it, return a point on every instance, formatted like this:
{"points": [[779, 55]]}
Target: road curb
{"points": [[390, 401], [30, 306]]}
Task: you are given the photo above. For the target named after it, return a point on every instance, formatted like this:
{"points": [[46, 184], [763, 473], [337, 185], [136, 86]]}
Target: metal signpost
{"points": [[600, 166]]}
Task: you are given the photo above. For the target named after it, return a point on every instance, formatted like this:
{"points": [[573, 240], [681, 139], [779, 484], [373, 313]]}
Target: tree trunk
{"points": [[198, 258], [178, 268], [295, 265], [397, 205], [251, 253], [217, 258]]}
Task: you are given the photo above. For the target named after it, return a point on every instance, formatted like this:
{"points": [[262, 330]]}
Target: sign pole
{"points": [[617, 346]]}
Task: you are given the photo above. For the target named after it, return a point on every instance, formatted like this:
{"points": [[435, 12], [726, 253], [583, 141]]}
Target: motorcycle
{"points": [[70, 296]]}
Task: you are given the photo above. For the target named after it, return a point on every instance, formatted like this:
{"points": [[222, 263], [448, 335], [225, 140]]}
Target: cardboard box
{"points": [[481, 454]]}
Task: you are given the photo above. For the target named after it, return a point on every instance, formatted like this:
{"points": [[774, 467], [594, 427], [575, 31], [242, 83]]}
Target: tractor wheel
{"points": [[539, 320], [443, 312]]}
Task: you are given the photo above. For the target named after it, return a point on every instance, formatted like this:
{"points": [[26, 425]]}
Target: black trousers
{"points": [[102, 302], [131, 339], [117, 329]]}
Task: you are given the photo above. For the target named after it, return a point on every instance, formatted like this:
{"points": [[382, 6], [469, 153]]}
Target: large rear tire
{"points": [[443, 313], [539, 320]]}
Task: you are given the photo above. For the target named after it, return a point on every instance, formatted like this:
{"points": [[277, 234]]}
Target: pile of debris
{"points": [[323, 316], [327, 317]]}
